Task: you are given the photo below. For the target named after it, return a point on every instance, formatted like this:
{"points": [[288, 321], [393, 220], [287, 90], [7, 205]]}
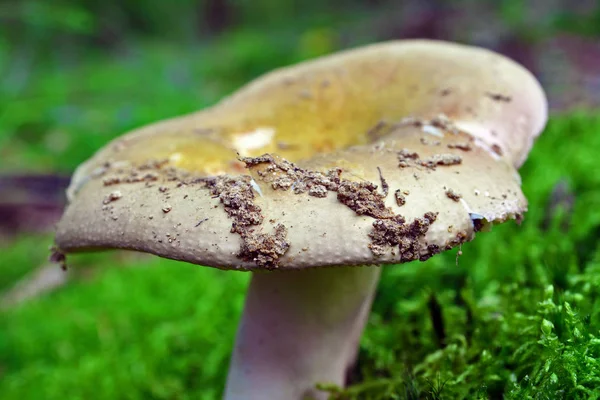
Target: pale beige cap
{"points": [[383, 154]]}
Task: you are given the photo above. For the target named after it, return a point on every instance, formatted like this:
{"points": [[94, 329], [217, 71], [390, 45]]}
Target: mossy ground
{"points": [[517, 316]]}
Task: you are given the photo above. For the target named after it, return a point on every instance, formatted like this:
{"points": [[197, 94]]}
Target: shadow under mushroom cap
{"points": [[323, 177]]}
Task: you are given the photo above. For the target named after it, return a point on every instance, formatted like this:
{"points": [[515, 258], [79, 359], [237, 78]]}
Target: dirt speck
{"points": [[440, 159], [384, 185], [443, 122], [200, 222], [406, 153], [167, 208], [400, 199], [457, 240], [451, 194], [497, 149], [461, 146], [499, 97], [405, 157], [113, 196]]}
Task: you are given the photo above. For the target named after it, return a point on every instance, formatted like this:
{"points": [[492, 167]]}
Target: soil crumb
{"points": [[265, 248], [499, 97], [451, 194], [363, 199], [113, 196], [395, 232], [497, 149], [407, 158], [400, 198], [384, 185], [461, 146], [440, 160]]}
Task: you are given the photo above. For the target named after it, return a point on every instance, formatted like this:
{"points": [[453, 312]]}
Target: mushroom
{"points": [[384, 154]]}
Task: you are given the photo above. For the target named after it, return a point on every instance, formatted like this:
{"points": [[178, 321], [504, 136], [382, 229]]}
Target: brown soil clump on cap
{"points": [[396, 232], [237, 198], [362, 197], [265, 248], [284, 175]]}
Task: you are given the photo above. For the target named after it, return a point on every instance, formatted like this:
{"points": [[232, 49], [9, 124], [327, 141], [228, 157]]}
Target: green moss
{"points": [[157, 330]]}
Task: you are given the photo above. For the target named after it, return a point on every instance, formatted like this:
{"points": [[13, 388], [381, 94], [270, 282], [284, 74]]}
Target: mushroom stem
{"points": [[299, 328]]}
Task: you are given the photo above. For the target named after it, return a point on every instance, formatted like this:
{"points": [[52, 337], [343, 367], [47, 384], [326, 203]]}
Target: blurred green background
{"points": [[517, 317]]}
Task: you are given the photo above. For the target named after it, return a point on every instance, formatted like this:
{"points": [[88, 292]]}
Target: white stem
{"points": [[299, 328]]}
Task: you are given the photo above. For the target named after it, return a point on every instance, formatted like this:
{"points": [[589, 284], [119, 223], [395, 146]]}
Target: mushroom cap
{"points": [[383, 154]]}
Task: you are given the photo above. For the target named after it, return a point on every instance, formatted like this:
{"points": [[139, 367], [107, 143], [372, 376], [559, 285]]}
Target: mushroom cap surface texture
{"points": [[383, 154]]}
